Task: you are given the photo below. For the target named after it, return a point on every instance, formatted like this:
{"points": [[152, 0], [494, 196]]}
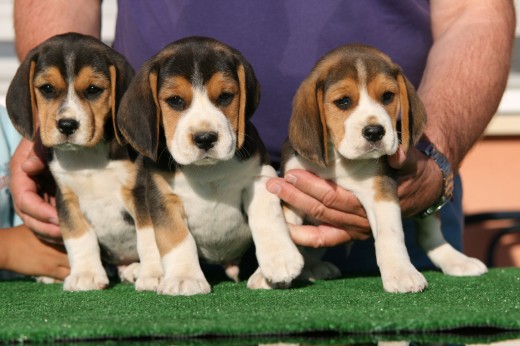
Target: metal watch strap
{"points": [[429, 150]]}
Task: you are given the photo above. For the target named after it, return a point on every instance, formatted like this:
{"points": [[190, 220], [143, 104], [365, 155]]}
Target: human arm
{"points": [[34, 22], [469, 37], [463, 82], [23, 252]]}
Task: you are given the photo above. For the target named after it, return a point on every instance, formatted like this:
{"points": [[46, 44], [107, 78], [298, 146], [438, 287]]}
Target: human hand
{"points": [[419, 181], [342, 215], [32, 189], [23, 252]]}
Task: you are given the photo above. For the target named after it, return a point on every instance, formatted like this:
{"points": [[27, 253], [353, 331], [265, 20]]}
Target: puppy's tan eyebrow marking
{"points": [[88, 76], [220, 82], [176, 86], [50, 75]]}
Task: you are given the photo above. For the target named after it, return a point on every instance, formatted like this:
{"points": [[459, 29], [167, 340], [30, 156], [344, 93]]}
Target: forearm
{"points": [[466, 72], [8, 237], [36, 20]]}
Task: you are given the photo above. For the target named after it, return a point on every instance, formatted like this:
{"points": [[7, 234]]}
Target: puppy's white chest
{"points": [[212, 198], [99, 194]]}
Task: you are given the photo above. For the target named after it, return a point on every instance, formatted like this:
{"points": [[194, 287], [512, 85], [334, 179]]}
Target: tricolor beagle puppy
{"points": [[187, 112], [344, 121], [66, 93]]}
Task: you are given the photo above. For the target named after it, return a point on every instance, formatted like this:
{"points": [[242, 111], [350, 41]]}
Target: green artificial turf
{"points": [[343, 308]]}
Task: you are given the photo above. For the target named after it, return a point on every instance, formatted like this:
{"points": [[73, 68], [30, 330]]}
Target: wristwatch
{"points": [[429, 150]]}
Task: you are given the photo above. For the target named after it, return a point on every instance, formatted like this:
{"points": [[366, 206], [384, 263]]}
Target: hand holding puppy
{"points": [[29, 175]]}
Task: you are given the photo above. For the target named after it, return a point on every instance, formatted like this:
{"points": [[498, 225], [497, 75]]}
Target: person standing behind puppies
{"points": [[441, 45]]}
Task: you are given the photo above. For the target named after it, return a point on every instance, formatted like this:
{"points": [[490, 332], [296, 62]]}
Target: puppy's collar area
{"points": [[428, 148]]}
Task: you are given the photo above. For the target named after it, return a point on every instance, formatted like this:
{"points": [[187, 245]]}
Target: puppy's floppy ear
{"points": [[413, 114], [21, 100], [307, 127], [249, 97], [121, 74], [139, 115]]}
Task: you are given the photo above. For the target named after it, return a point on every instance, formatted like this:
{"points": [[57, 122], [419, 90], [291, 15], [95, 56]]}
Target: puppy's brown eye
{"points": [[343, 103], [176, 103], [224, 99], [47, 91], [387, 97], [92, 92]]}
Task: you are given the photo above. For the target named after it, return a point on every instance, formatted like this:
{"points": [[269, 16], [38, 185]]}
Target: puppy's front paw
{"points": [[187, 286], [148, 279], [147, 283], [86, 281], [258, 281], [403, 279], [281, 266], [462, 265]]}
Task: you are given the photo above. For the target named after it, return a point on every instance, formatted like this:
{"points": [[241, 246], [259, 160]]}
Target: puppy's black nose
{"points": [[205, 140], [373, 133], [67, 126]]}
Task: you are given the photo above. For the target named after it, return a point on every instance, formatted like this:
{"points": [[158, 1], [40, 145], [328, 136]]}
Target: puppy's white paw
{"points": [[149, 278], [319, 270], [403, 279], [147, 282], [282, 266], [129, 273], [186, 286], [47, 280], [258, 281], [463, 265], [86, 281]]}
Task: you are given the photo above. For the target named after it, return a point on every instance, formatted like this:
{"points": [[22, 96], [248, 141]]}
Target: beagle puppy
{"points": [[345, 120], [65, 94], [205, 168]]}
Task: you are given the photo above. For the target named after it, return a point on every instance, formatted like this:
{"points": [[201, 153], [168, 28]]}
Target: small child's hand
{"points": [[23, 252]]}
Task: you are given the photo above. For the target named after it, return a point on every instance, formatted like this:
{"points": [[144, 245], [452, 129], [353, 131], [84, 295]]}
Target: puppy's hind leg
{"points": [[442, 254], [315, 268]]}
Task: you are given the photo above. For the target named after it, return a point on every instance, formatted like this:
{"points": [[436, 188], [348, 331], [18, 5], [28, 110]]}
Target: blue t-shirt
{"points": [[9, 139], [283, 40]]}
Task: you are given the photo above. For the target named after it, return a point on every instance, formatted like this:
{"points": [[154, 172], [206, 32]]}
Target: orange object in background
{"points": [[491, 181]]}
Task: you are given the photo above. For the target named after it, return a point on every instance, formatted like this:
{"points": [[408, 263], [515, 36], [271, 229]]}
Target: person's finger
{"points": [[45, 230], [60, 261], [61, 273], [33, 165], [398, 159], [39, 216], [26, 168], [314, 208], [318, 236], [328, 193]]}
